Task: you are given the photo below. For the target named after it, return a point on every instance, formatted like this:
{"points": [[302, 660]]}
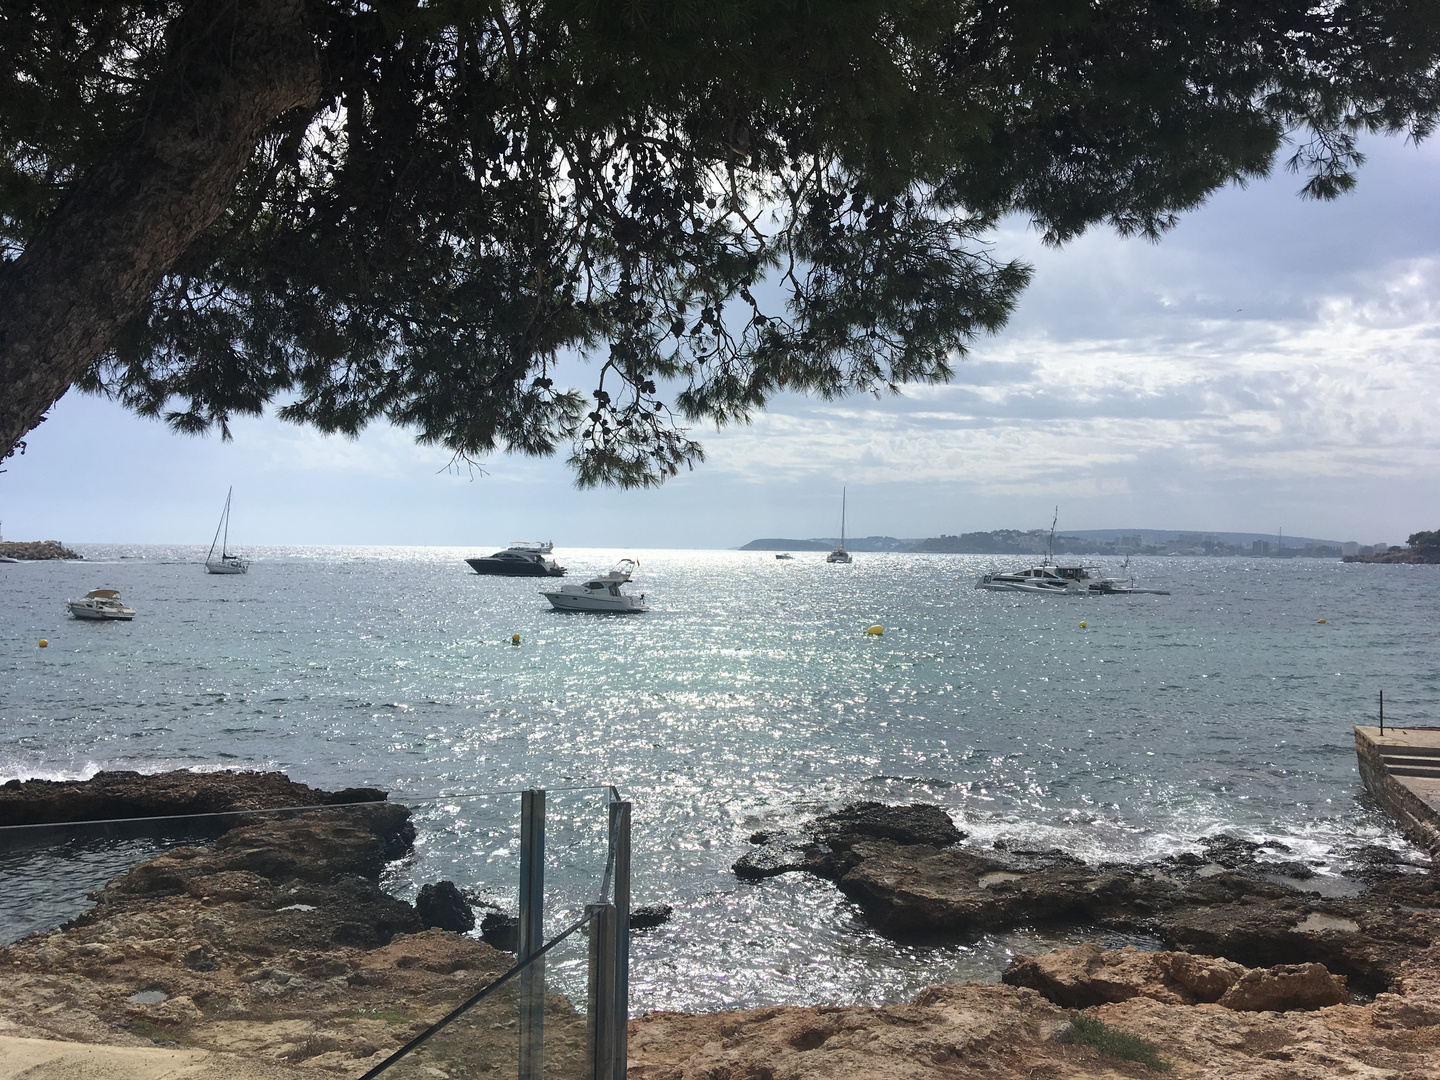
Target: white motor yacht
{"points": [[600, 594], [101, 604], [523, 558]]}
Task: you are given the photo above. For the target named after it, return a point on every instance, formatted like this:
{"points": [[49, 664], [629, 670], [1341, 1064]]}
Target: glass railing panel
{"points": [[567, 1030], [472, 841], [577, 853]]}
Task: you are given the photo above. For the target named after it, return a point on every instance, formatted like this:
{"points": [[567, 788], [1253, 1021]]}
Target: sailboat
{"points": [[226, 563], [840, 555]]}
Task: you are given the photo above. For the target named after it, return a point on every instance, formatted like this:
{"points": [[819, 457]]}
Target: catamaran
{"points": [[227, 563]]}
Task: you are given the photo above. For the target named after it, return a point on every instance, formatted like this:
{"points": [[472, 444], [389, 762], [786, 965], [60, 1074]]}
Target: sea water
{"points": [[747, 698]]}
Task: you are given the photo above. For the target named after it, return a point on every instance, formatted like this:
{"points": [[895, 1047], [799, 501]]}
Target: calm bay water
{"points": [[747, 698]]}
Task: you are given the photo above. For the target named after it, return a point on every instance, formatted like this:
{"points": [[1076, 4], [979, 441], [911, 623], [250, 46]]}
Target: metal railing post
{"points": [[600, 1014], [531, 933], [620, 837]]}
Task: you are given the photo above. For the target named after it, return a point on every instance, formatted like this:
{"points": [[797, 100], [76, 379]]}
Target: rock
{"points": [[1290, 868], [780, 853], [824, 846], [1085, 976], [1205, 978], [1286, 987], [918, 823], [441, 906], [500, 930], [108, 795], [1088, 975], [313, 846], [1366, 941], [36, 550], [649, 916]]}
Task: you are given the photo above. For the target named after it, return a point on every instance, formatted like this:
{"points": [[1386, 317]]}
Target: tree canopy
{"points": [[392, 209]]}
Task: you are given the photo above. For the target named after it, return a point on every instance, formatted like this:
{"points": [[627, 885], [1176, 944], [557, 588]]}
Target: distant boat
{"points": [[101, 605], [784, 555], [523, 558], [226, 563], [840, 555]]}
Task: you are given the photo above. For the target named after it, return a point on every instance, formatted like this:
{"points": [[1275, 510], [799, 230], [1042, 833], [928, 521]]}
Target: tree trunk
{"points": [[232, 68]]}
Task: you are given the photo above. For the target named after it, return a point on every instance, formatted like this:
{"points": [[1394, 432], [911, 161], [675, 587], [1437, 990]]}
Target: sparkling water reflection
{"points": [[747, 698]]}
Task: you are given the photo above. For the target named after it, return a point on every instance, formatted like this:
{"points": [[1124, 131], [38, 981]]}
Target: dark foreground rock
{"points": [[109, 795], [442, 907]]}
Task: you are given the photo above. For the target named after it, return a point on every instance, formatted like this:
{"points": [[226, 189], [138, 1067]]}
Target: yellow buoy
{"points": [[1322, 620], [875, 631], [1082, 626], [44, 644], [514, 639]]}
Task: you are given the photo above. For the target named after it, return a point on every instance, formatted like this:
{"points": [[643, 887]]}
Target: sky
{"points": [[1270, 364]]}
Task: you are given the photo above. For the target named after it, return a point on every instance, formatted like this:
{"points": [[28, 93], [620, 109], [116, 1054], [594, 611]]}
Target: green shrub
{"points": [[1118, 1044]]}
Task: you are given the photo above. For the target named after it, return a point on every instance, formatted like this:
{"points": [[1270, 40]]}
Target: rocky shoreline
{"points": [[273, 950], [1404, 556], [36, 550]]}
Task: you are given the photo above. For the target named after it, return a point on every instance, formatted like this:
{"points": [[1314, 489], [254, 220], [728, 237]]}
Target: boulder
{"points": [[918, 823], [649, 916], [501, 931], [1286, 987], [441, 907], [1204, 978]]}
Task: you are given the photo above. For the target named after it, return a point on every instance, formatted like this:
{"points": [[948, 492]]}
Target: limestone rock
{"points": [[1286, 987], [1206, 978]]}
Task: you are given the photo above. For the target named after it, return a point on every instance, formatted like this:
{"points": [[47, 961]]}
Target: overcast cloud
{"points": [[1271, 363]]}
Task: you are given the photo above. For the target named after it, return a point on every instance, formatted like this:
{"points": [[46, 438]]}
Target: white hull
{"points": [[107, 614], [226, 568], [1088, 587], [605, 605]]}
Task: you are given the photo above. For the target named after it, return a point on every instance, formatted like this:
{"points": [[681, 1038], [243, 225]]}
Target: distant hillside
{"points": [[830, 543], [1005, 542]]}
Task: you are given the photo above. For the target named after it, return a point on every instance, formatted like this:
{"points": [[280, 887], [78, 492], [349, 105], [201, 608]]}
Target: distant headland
{"points": [[1116, 542]]}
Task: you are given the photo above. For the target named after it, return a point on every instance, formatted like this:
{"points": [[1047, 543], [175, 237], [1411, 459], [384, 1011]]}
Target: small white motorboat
{"points": [[784, 555], [600, 594], [101, 604]]}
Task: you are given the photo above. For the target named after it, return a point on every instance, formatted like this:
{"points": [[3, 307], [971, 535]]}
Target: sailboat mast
{"points": [[225, 547], [843, 492]]}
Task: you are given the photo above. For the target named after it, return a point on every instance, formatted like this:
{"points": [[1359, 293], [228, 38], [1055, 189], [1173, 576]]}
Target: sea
{"points": [[747, 699]]}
